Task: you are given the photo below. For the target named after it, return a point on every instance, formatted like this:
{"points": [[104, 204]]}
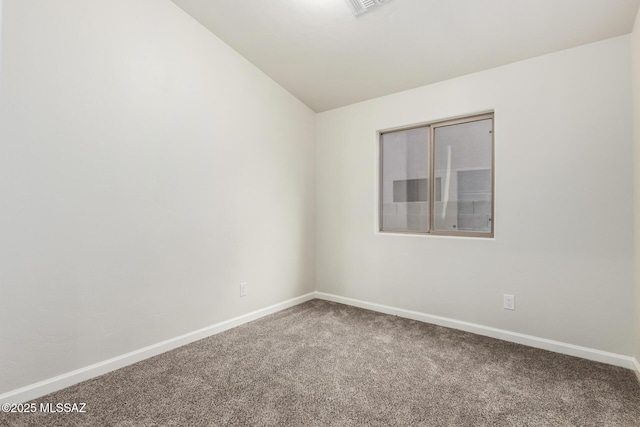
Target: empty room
{"points": [[319, 213]]}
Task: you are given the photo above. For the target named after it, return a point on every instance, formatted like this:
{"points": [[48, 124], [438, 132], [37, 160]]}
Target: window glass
{"points": [[463, 161], [404, 180]]}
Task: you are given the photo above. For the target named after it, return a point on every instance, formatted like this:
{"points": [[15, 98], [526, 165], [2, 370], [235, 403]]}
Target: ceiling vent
{"points": [[360, 6]]}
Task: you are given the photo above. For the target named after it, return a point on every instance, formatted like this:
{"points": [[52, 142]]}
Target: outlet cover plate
{"points": [[509, 302]]}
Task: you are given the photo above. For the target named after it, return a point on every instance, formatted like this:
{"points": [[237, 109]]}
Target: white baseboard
{"points": [[529, 340], [636, 368], [39, 389]]}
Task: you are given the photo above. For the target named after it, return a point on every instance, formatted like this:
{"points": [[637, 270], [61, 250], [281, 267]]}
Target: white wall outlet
{"points": [[509, 302], [243, 289]]}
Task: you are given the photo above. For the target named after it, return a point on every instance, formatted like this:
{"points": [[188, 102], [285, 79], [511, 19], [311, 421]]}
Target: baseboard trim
{"points": [[529, 340], [636, 368], [42, 388]]}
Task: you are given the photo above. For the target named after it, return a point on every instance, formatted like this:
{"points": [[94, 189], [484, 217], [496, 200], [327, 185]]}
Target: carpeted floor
{"points": [[327, 364]]}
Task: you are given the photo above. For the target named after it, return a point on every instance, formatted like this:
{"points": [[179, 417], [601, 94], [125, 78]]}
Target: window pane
{"points": [[463, 165], [405, 192]]}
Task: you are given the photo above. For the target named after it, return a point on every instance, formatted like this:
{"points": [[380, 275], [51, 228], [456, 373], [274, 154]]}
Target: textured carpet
{"points": [[327, 364]]}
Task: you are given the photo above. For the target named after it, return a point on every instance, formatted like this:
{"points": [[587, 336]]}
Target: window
{"points": [[438, 178]]}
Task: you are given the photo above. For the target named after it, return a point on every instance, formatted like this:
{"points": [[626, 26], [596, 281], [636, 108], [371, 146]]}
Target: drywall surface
{"points": [[1, 7], [563, 202], [146, 169], [635, 66]]}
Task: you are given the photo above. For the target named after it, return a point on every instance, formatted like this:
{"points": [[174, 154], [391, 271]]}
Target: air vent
{"points": [[360, 6]]}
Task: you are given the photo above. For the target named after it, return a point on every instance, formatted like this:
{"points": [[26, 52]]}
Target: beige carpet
{"points": [[327, 364]]}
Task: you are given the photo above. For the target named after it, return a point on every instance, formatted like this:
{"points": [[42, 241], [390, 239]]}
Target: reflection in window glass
{"points": [[404, 180], [463, 158]]}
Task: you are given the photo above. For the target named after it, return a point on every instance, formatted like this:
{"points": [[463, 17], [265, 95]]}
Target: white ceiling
{"points": [[328, 58]]}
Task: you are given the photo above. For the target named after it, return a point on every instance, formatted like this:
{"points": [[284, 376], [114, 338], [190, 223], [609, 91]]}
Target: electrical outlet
{"points": [[243, 289], [509, 302]]}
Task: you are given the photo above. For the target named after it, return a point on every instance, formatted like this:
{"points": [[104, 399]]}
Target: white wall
{"points": [[146, 169], [1, 7], [635, 58], [563, 239]]}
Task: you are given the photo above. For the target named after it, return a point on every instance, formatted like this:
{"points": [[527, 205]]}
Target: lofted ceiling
{"points": [[327, 58]]}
